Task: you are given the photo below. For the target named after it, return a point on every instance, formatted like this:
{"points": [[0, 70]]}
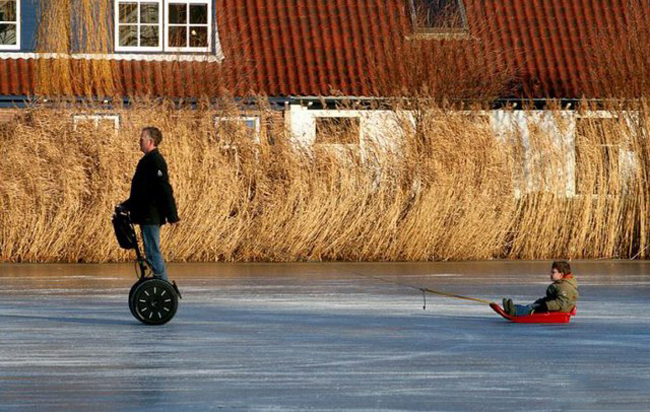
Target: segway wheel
{"points": [[154, 302], [131, 292]]}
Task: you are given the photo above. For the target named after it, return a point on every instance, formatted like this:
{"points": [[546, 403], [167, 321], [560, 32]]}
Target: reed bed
{"points": [[449, 189]]}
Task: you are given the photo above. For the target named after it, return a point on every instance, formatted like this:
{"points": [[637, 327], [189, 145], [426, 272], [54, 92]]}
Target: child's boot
{"points": [[509, 307]]}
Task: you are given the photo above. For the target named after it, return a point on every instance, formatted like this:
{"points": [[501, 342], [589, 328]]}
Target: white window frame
{"points": [[441, 31], [256, 119], [161, 26], [208, 25], [18, 30], [95, 118]]}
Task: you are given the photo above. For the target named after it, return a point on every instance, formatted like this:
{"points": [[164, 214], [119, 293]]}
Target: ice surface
{"points": [[315, 336]]}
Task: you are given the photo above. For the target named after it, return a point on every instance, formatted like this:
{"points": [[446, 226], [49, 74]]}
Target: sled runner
{"points": [[544, 317]]}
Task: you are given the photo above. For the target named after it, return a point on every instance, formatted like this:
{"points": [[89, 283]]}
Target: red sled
{"points": [[545, 317]]}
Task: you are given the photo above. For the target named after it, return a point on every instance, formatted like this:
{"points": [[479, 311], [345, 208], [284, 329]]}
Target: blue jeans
{"points": [[151, 239], [523, 310]]}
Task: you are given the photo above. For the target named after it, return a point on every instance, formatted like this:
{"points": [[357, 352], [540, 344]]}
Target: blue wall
{"points": [[30, 10], [29, 24]]}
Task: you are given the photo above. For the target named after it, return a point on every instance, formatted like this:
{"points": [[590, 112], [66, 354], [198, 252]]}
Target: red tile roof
{"points": [[302, 47], [311, 48], [16, 77]]}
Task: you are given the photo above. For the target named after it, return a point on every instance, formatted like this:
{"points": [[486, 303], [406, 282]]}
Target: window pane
{"points": [[438, 13], [149, 36], [84, 125], [107, 124], [177, 13], [129, 36], [128, 12], [8, 34], [178, 36], [229, 127], [199, 14], [8, 10], [148, 13], [198, 36]]}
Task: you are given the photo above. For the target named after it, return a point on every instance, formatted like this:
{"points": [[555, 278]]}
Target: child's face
{"points": [[556, 275]]}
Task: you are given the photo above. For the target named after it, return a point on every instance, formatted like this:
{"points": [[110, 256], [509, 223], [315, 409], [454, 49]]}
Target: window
{"points": [[157, 25], [337, 130], [597, 156], [231, 129], [96, 121], [9, 24], [438, 16], [227, 127], [187, 27], [138, 25]]}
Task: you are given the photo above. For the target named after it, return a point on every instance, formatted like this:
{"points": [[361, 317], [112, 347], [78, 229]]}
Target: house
{"points": [[313, 57]]}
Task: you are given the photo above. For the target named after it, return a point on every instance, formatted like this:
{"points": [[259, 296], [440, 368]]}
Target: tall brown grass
{"points": [[453, 62], [70, 29], [75, 26], [450, 191], [617, 54]]}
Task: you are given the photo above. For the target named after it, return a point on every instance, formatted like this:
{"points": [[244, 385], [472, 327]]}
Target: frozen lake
{"points": [[320, 337]]}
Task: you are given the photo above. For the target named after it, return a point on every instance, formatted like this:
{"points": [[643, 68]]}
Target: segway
{"points": [[152, 301]]}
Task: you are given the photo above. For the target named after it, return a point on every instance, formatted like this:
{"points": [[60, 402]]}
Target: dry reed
{"points": [[617, 54], [75, 26], [73, 35], [451, 191]]}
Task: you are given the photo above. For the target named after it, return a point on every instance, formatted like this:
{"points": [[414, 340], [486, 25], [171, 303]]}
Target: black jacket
{"points": [[152, 198]]}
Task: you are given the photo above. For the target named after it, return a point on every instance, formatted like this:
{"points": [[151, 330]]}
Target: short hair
{"points": [[562, 266], [154, 133]]}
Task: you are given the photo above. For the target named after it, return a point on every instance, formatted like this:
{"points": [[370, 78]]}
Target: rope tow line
{"points": [[421, 289], [451, 295]]}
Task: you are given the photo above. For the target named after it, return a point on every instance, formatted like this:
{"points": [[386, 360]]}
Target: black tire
{"points": [[154, 302], [131, 292]]}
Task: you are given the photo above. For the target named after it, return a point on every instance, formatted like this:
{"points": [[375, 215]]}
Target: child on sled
{"points": [[561, 295]]}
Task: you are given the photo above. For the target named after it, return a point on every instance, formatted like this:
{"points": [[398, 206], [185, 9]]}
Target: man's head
{"points": [[150, 138], [560, 269]]}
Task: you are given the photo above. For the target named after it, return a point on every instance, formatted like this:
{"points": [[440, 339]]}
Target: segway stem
{"points": [[141, 262]]}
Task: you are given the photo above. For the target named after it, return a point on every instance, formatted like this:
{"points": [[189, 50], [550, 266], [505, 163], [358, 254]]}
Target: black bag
{"points": [[124, 231]]}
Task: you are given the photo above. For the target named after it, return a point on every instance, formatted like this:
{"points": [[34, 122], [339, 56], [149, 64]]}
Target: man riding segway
{"points": [[151, 204]]}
